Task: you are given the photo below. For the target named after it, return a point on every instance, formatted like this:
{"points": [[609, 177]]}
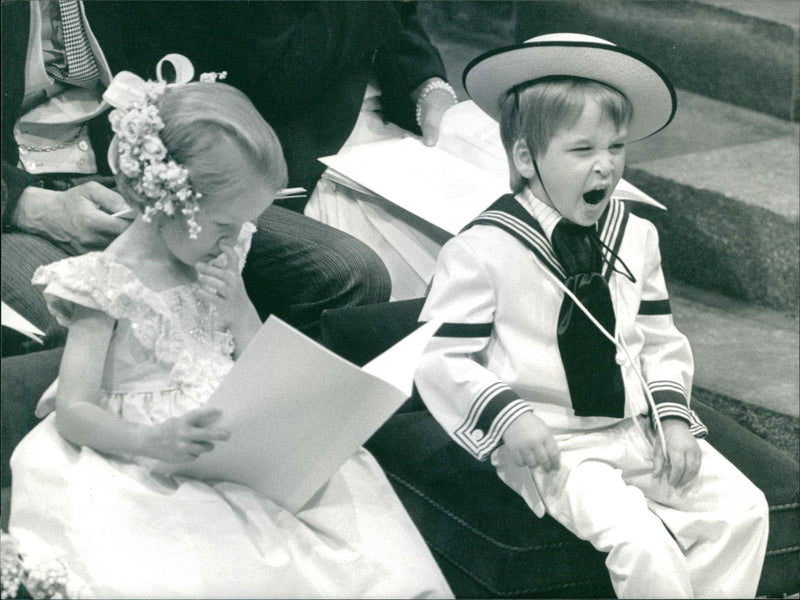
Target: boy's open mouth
{"points": [[594, 196]]}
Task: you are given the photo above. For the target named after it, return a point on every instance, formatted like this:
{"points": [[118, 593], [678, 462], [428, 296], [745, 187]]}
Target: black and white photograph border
{"points": [[726, 169]]}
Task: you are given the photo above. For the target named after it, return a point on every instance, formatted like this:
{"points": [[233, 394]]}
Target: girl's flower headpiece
{"points": [[137, 146]]}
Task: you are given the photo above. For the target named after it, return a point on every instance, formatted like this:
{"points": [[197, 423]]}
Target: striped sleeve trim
{"points": [[670, 391], [464, 330], [489, 416], [670, 400], [696, 427], [672, 410], [655, 307]]}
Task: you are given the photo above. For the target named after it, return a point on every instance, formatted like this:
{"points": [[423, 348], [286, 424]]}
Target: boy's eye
{"points": [[618, 147], [582, 149]]}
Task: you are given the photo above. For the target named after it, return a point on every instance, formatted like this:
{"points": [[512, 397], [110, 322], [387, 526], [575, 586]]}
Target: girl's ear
{"points": [[523, 159]]}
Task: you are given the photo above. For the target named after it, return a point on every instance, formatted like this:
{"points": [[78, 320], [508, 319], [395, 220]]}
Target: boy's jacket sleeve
{"points": [[468, 400], [666, 356]]}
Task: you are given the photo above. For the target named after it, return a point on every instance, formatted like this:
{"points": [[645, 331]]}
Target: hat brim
{"points": [[488, 77]]}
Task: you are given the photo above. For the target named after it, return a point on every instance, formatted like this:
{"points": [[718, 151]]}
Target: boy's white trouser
{"points": [[705, 540]]}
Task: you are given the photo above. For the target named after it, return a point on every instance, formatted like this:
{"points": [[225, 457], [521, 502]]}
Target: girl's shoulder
{"points": [[95, 280], [86, 271]]}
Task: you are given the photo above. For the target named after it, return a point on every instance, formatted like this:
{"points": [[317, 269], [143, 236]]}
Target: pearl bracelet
{"points": [[434, 84]]}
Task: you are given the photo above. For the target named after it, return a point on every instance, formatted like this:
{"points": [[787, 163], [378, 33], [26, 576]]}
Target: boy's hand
{"points": [[683, 453], [221, 285], [531, 444], [182, 439]]}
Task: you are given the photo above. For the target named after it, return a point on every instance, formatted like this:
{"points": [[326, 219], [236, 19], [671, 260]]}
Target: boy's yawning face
{"points": [[581, 167]]}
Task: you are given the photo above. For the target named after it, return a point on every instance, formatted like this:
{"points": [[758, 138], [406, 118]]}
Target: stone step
{"points": [[729, 178], [743, 53], [741, 351]]}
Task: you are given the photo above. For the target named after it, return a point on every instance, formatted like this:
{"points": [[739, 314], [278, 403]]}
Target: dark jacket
{"points": [[305, 65]]}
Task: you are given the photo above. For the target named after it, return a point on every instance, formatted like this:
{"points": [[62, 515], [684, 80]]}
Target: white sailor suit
{"points": [[496, 356]]}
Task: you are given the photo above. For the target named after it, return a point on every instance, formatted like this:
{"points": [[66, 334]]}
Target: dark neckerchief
{"points": [[578, 258], [588, 356]]}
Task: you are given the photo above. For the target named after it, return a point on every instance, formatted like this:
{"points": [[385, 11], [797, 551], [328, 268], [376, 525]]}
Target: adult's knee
{"points": [[360, 275]]}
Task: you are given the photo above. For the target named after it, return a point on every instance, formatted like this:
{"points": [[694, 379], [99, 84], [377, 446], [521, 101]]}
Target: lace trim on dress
{"points": [[96, 281], [199, 356]]}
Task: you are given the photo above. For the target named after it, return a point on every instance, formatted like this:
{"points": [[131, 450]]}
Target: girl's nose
{"points": [[232, 236]]}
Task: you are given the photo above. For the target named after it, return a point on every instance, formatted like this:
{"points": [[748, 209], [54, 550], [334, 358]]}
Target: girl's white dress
{"points": [[122, 531]]}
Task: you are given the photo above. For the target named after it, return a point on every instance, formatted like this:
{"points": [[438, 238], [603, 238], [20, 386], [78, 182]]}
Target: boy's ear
{"points": [[523, 159]]}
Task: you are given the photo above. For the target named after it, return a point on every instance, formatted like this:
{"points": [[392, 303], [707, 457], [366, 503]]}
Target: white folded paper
{"points": [[448, 184], [296, 411], [13, 320]]}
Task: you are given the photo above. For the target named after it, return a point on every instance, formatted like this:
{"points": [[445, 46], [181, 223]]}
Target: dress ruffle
{"points": [[97, 281]]}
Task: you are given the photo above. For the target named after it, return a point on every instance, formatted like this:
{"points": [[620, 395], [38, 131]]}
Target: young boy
{"points": [[558, 357]]}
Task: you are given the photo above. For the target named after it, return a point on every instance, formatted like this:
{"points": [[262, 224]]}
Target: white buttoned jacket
{"points": [[496, 354]]}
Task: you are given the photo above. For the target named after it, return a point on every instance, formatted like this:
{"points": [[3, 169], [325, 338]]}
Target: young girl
{"points": [[154, 324]]}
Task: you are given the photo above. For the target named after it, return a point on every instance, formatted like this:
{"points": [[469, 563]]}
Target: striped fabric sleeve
{"points": [[489, 416], [468, 400], [670, 399], [655, 307], [671, 402], [666, 357]]}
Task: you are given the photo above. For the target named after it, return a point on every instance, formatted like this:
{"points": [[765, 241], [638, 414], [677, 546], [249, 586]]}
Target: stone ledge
{"points": [[724, 245], [724, 54]]}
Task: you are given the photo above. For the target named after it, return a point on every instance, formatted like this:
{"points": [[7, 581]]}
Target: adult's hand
{"points": [[78, 219], [432, 109]]}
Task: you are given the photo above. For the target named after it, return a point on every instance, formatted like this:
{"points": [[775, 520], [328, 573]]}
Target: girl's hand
{"points": [[683, 454], [530, 443], [221, 285], [183, 439]]}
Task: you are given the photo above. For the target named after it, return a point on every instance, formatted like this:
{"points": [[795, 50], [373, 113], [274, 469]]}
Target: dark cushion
{"points": [[486, 540]]}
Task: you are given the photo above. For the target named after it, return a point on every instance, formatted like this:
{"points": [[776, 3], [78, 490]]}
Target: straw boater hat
{"points": [[488, 77]]}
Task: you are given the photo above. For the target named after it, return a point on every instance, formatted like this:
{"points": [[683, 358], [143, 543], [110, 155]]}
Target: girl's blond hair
{"points": [[204, 124]]}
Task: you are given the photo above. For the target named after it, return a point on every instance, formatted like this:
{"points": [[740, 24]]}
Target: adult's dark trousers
{"points": [[297, 267]]}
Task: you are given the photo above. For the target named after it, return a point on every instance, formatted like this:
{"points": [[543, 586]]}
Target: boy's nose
{"points": [[604, 166]]}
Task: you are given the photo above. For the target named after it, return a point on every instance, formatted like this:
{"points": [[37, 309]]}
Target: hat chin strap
{"points": [[541, 181]]}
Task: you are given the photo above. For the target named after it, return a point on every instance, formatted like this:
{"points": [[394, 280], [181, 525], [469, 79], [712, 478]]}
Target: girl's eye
{"points": [[617, 147], [582, 149]]}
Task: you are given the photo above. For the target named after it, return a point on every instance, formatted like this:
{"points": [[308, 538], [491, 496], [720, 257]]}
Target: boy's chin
{"points": [[588, 214]]}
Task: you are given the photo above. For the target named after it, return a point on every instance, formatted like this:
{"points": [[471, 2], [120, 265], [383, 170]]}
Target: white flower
{"points": [[183, 194], [212, 77], [131, 127], [175, 174], [114, 117], [143, 158], [153, 148], [128, 165], [168, 207], [155, 89]]}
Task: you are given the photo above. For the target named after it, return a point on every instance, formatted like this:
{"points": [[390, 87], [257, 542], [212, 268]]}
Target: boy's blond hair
{"points": [[535, 112]]}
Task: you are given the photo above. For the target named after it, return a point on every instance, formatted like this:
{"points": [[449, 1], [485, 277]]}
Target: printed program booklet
{"points": [[448, 184], [297, 411], [13, 320]]}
